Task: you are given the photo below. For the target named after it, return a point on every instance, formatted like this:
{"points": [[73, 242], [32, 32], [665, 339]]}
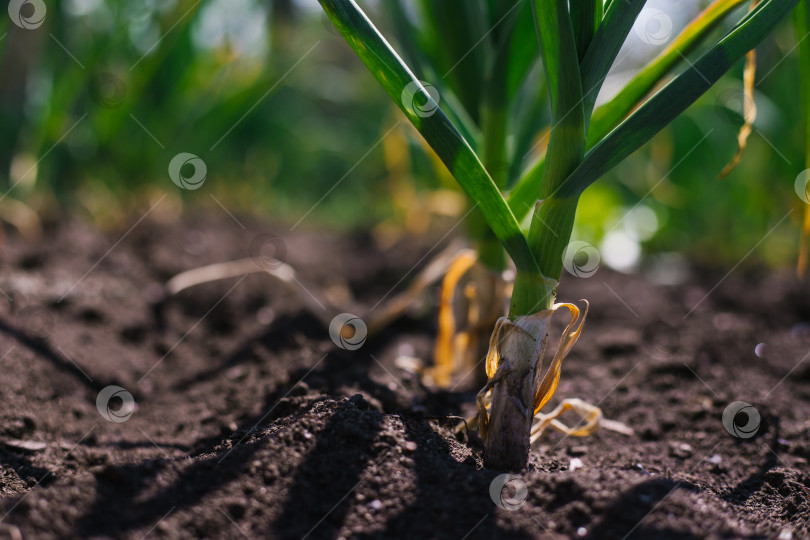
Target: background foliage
{"points": [[96, 102]]}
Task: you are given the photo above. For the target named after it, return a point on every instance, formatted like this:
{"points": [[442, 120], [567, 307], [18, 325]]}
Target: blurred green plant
{"points": [[204, 68], [801, 23], [109, 91], [577, 44]]}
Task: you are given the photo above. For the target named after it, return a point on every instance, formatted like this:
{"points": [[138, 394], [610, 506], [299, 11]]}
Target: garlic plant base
{"points": [[524, 341], [527, 336]]}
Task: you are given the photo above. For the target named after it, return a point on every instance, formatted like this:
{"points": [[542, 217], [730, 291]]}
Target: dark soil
{"points": [[251, 423]]}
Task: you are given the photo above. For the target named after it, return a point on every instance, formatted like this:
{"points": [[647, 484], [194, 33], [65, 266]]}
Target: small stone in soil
{"points": [[26, 446], [410, 446], [680, 450], [266, 315], [577, 450], [406, 349], [800, 331]]}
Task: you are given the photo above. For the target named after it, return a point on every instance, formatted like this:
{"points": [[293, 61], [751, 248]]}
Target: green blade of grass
{"points": [[494, 105], [456, 29], [559, 54], [601, 53], [410, 37], [523, 49], [801, 18], [677, 96], [801, 25], [605, 46], [565, 148], [585, 18], [529, 117], [526, 90], [435, 127], [522, 197], [610, 114]]}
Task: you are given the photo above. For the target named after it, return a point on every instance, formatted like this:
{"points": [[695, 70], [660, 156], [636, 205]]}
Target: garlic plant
{"points": [[577, 42]]}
